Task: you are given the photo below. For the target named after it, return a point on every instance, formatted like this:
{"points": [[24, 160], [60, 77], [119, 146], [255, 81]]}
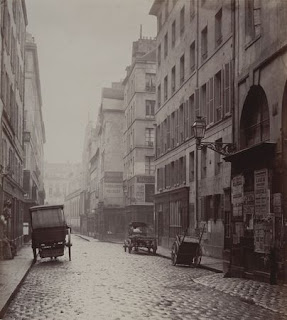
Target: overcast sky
{"points": [[83, 45]]}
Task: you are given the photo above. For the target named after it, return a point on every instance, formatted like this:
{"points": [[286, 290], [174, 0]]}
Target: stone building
{"points": [[106, 165], [255, 236], [13, 31], [139, 132], [72, 199], [34, 131], [56, 180], [194, 78]]}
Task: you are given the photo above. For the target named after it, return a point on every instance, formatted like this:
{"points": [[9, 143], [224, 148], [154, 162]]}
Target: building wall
{"points": [[186, 99]]}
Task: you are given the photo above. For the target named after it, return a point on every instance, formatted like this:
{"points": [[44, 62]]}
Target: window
{"points": [[252, 19], [159, 55], [181, 69], [150, 82], [191, 8], [149, 137], [204, 44], [180, 123], [217, 160], [203, 100], [173, 34], [203, 162], [218, 96], [192, 57], [191, 114], [149, 165], [191, 166], [159, 96], [182, 21], [173, 80], [149, 107], [218, 28], [227, 88], [165, 88], [210, 102], [166, 45]]}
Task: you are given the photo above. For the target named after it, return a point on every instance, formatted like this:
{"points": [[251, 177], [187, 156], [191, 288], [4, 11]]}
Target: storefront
{"points": [[172, 216]]}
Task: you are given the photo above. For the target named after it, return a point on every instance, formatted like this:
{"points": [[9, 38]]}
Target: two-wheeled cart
{"points": [[50, 233], [186, 250]]}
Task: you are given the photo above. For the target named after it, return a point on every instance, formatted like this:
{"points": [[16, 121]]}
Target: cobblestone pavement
{"points": [[270, 297], [104, 282]]}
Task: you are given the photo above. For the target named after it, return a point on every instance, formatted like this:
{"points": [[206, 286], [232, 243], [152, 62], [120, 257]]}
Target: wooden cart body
{"points": [[50, 233], [138, 237]]}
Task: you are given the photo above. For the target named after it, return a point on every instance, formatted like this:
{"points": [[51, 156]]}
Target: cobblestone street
{"points": [[104, 282]]}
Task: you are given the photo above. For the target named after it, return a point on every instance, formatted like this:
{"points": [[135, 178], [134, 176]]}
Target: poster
{"points": [[262, 193], [248, 209], [237, 195], [263, 236]]}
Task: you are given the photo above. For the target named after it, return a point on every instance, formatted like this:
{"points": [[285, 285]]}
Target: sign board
{"points": [[262, 236], [237, 196], [145, 179]]}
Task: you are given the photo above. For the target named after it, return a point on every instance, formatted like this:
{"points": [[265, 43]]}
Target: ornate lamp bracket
{"points": [[224, 149]]}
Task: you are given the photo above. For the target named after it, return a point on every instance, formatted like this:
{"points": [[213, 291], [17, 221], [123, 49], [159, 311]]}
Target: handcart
{"points": [[186, 250], [50, 233]]}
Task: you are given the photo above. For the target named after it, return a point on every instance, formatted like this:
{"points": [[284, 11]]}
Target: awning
{"points": [[264, 149]]}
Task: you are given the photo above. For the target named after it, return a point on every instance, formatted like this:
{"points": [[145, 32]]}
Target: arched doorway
{"points": [[254, 122]]}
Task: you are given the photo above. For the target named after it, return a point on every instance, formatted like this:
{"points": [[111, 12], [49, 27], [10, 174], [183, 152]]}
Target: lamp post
{"points": [[224, 149]]}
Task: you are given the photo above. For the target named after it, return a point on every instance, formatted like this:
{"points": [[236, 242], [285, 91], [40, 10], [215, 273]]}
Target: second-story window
{"points": [[252, 19], [182, 21], [149, 137], [218, 28], [181, 69], [149, 165], [204, 44], [150, 82], [166, 45]]}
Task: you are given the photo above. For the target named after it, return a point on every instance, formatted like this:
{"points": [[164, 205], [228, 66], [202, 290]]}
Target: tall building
{"points": [[139, 132], [13, 31], [255, 236], [56, 180], [194, 78], [34, 131], [106, 165]]}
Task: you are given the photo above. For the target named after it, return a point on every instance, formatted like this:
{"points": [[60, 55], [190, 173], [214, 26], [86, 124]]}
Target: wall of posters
{"points": [[237, 196], [263, 236], [248, 209]]}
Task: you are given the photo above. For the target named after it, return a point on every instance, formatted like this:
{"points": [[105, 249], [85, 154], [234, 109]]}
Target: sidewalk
{"points": [[12, 274]]}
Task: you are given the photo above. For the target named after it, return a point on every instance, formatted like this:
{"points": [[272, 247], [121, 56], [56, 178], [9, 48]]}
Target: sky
{"points": [[83, 46]]}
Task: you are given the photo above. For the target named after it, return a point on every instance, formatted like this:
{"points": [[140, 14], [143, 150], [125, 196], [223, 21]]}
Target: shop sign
{"points": [[140, 192], [262, 194], [262, 236]]}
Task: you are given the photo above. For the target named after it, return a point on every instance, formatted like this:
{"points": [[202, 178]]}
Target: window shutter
{"points": [[197, 108], [207, 104], [184, 168], [227, 97], [211, 100]]}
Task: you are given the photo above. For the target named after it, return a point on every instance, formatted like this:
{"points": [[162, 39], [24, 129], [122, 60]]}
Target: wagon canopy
{"points": [[47, 216]]}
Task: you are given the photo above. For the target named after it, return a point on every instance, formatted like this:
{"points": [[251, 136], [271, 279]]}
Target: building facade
{"points": [[139, 132], [194, 78], [34, 131], [72, 199], [13, 31], [255, 237], [107, 165]]}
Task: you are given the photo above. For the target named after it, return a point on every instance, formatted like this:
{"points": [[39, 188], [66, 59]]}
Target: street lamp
{"points": [[224, 149], [199, 127]]}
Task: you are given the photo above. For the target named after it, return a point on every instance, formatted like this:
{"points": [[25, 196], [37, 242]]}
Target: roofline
{"points": [[44, 207]]}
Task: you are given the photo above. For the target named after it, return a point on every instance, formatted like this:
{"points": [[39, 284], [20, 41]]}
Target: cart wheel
{"points": [[174, 254], [34, 255], [69, 243], [197, 258], [130, 249], [154, 250]]}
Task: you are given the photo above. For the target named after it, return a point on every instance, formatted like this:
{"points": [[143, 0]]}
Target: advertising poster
{"points": [[262, 194], [237, 196], [262, 236]]}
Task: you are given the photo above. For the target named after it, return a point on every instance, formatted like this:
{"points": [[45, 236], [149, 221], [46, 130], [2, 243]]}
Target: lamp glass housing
{"points": [[199, 127]]}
